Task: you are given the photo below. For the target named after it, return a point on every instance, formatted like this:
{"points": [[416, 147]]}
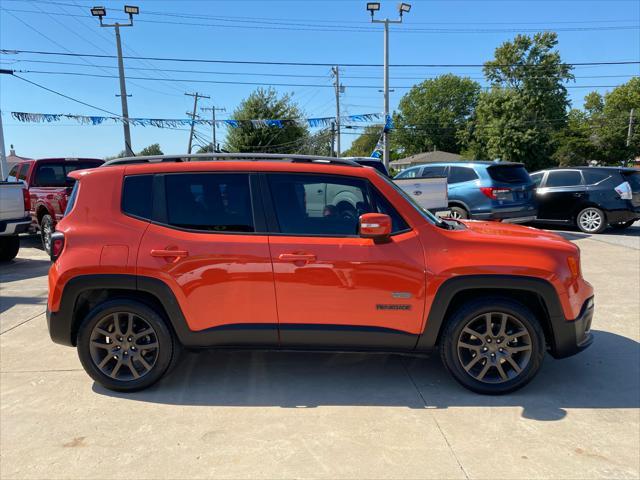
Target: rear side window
{"points": [[537, 178], [71, 166], [591, 177], [509, 173], [213, 202], [137, 196], [564, 178], [461, 174], [431, 172], [50, 175]]}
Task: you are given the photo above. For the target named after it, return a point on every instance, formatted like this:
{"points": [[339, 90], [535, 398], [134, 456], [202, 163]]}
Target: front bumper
{"points": [[573, 336]]}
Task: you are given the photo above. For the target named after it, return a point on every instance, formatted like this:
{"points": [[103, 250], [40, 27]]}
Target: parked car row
{"points": [[591, 198]]}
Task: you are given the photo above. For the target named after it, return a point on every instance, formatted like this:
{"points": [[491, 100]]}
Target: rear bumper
{"points": [[520, 215], [14, 226], [622, 216], [573, 336]]}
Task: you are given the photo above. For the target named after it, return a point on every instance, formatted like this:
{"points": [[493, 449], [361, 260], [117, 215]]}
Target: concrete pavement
{"points": [[302, 415]]}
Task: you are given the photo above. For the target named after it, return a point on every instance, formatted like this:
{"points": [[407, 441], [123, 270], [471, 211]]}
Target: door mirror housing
{"points": [[376, 226]]}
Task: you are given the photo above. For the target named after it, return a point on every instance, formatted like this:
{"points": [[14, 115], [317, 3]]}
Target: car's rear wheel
{"points": [[591, 220], [493, 346], [9, 247], [125, 345], [458, 213], [623, 225], [46, 230]]}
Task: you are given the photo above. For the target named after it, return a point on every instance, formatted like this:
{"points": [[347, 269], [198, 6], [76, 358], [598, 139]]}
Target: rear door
{"points": [[335, 289], [561, 195], [207, 243]]}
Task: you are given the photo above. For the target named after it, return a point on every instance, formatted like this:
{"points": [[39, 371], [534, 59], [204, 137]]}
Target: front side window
{"points": [[325, 204], [410, 173], [564, 178], [213, 202], [461, 174]]}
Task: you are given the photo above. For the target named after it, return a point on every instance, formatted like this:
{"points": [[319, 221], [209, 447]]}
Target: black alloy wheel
{"points": [[492, 345]]}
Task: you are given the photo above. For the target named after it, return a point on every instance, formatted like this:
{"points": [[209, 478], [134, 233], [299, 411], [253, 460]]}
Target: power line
{"points": [[286, 75], [311, 64], [230, 82]]}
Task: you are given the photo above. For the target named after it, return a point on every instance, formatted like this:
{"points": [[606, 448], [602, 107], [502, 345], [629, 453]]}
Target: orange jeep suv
{"points": [[299, 252]]}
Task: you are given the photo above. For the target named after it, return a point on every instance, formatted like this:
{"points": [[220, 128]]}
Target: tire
{"points": [[459, 213], [46, 229], [622, 225], [591, 220], [525, 350], [126, 351], [9, 247]]}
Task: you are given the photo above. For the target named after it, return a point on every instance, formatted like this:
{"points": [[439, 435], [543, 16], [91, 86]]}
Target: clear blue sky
{"points": [[338, 31]]}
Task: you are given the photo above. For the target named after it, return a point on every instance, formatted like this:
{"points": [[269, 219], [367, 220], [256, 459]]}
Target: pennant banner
{"points": [[28, 117]]}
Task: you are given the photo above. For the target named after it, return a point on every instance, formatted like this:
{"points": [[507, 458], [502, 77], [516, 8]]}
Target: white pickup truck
{"points": [[14, 217]]}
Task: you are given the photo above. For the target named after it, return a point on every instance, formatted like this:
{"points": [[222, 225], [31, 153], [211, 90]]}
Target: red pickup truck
{"points": [[49, 189]]}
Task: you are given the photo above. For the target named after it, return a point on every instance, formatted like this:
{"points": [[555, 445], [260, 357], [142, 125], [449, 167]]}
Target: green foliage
{"points": [[318, 143], [517, 118], [208, 148], [435, 114], [153, 149], [365, 144], [574, 145], [265, 104]]}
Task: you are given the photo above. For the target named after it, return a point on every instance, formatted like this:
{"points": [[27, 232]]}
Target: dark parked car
{"points": [[371, 162], [591, 198], [483, 190]]}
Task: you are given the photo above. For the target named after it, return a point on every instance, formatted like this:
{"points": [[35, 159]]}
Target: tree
{"points": [[318, 143], [153, 149], [265, 104], [574, 143], [365, 143], [208, 148], [434, 113], [517, 118]]}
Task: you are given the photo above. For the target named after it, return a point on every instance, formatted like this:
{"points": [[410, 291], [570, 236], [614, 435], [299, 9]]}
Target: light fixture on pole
{"points": [[403, 8], [130, 10]]}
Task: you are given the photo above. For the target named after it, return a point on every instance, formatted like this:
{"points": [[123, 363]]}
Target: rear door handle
{"points": [[169, 253], [297, 257], [578, 194]]}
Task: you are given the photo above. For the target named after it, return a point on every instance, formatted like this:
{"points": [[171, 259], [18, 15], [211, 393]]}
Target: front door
{"points": [[561, 195], [335, 289], [206, 250]]}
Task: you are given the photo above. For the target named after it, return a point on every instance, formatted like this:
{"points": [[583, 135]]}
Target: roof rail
{"points": [[258, 157]]}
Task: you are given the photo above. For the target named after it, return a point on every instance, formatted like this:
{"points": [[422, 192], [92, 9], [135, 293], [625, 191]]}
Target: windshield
{"points": [[425, 213]]}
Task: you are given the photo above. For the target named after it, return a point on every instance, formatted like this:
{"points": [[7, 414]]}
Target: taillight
{"points": [[493, 193], [27, 199], [624, 190], [57, 245]]}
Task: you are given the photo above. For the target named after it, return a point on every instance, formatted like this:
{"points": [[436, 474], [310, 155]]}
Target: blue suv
{"points": [[484, 190]]}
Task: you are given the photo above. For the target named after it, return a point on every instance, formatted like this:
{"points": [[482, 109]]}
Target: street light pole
{"points": [[101, 12], [403, 8]]}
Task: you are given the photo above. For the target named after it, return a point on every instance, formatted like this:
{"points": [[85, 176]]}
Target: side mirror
{"points": [[376, 226]]}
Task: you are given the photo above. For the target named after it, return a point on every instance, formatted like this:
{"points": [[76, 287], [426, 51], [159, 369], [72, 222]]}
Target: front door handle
{"points": [[297, 257]]}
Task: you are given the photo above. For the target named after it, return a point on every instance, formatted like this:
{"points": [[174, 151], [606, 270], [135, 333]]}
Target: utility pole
{"points": [[4, 167], [403, 8], [630, 131], [338, 88], [193, 115], [213, 110], [333, 138], [131, 11]]}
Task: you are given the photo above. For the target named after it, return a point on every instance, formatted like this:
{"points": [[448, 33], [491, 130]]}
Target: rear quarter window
{"points": [[137, 196], [509, 174]]}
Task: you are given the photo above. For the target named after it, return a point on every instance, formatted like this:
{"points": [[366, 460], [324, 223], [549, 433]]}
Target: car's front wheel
{"points": [[125, 345], [493, 345]]}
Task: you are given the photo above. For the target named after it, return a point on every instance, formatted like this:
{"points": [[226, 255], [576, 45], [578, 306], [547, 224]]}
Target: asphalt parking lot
{"points": [[302, 415]]}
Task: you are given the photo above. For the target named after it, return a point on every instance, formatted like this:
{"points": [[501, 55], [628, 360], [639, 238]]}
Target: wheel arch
{"points": [[535, 293]]}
